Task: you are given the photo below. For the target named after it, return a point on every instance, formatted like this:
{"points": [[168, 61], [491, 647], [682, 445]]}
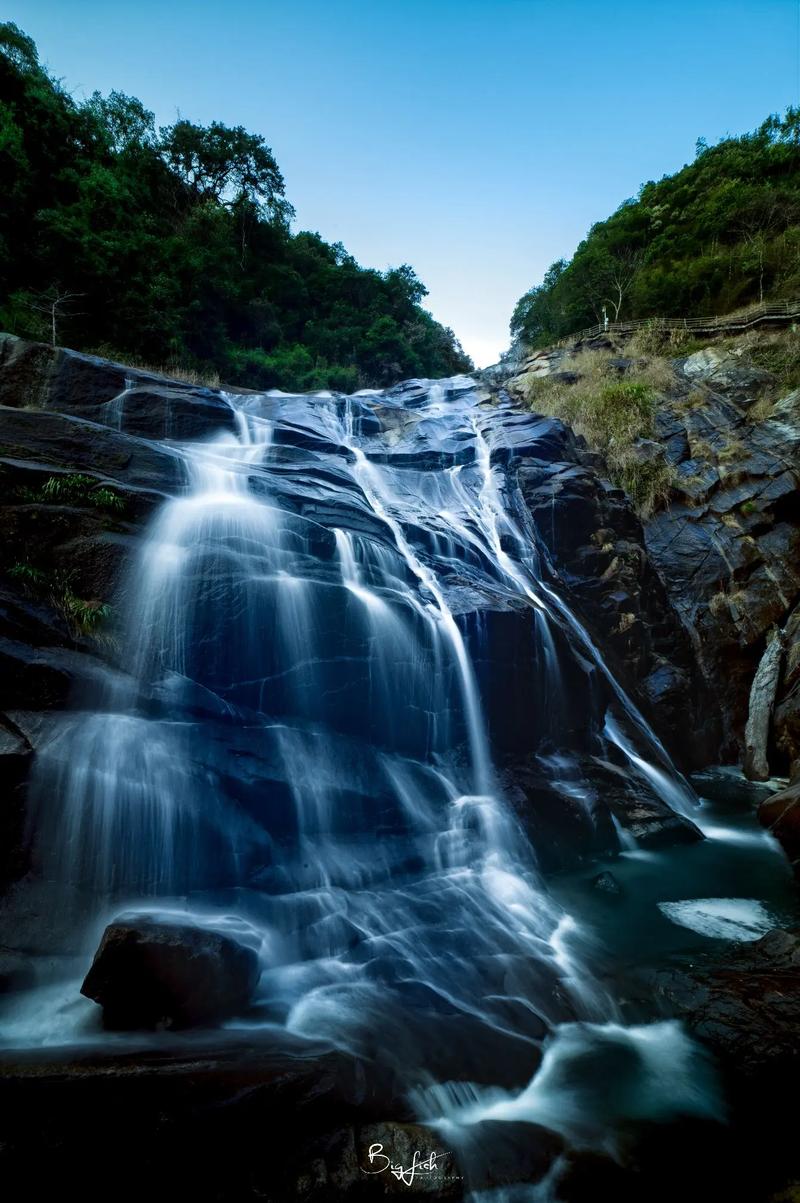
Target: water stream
{"points": [[301, 742]]}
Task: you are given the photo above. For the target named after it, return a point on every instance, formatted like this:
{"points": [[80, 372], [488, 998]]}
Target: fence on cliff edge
{"points": [[744, 319]]}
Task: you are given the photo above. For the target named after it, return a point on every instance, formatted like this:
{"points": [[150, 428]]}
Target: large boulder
{"points": [[780, 814], [154, 972]]}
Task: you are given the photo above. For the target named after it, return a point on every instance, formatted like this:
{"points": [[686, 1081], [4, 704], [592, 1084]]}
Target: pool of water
{"points": [[682, 902]]}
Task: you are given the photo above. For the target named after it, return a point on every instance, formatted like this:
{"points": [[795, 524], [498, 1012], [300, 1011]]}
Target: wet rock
{"points": [[38, 376], [42, 677], [510, 1156], [726, 783], [149, 972], [565, 829], [379, 1147], [645, 817], [747, 1010], [597, 543], [607, 883], [780, 814], [60, 441], [35, 376], [160, 412], [274, 1111]]}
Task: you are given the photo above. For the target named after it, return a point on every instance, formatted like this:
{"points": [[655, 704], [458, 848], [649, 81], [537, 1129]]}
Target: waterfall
{"points": [[301, 738]]}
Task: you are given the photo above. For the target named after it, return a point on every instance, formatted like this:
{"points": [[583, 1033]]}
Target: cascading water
{"points": [[300, 739]]}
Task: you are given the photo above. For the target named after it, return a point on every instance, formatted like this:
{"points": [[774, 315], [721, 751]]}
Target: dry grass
{"points": [[590, 365], [658, 373], [762, 410], [734, 449], [655, 339], [611, 414], [700, 448], [172, 370], [718, 604]]}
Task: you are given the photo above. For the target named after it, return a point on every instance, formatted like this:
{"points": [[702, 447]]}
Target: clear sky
{"points": [[475, 139]]}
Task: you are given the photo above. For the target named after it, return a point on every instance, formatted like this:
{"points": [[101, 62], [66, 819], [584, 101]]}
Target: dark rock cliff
{"points": [[726, 545], [78, 490], [75, 493]]}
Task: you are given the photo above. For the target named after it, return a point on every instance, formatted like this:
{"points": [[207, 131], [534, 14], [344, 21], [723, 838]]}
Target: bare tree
{"points": [[622, 272], [755, 225], [56, 304], [604, 279]]}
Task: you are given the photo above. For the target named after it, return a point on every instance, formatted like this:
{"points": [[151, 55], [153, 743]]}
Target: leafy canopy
{"points": [[722, 233], [177, 243]]}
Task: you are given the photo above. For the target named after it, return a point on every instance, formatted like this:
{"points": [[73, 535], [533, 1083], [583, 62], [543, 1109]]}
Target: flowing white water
{"points": [[302, 733]]}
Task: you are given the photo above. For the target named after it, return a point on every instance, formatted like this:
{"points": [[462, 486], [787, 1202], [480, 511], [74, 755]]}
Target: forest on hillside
{"points": [[174, 246], [722, 233]]}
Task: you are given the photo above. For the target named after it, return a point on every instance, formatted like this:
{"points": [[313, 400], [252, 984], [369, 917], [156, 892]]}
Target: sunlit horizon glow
{"points": [[477, 140]]}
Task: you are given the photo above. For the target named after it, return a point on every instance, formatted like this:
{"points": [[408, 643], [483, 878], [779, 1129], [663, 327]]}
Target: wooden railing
{"points": [[767, 311]]}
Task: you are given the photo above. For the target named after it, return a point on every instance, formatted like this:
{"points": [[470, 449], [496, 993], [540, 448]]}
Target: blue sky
{"points": [[475, 139]]}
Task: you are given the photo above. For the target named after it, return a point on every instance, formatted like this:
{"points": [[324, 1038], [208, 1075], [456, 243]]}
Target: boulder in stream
{"points": [[153, 972]]}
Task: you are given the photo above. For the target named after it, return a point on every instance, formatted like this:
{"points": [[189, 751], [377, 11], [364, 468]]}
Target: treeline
{"points": [[174, 246], [722, 233]]}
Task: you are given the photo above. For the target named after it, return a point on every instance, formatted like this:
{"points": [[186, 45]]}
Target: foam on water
{"points": [[721, 918]]}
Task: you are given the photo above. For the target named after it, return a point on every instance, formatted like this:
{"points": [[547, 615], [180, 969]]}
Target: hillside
{"points": [[173, 246], [721, 233]]}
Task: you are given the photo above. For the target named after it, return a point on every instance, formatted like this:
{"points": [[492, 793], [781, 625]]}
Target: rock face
{"points": [[728, 544], [598, 545], [34, 376], [748, 1010], [724, 552], [152, 973]]}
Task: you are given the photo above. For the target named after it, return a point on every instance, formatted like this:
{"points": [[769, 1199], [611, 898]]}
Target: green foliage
{"points": [[175, 247], [85, 617], [720, 234], [76, 489], [27, 573]]}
